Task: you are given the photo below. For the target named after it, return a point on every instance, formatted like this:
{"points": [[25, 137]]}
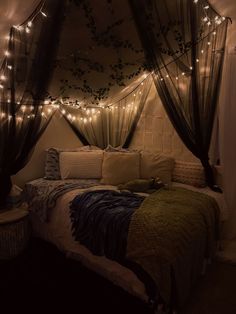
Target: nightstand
{"points": [[14, 232]]}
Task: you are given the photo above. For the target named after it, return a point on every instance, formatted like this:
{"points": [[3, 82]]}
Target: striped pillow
{"points": [[81, 165], [52, 166], [189, 173]]}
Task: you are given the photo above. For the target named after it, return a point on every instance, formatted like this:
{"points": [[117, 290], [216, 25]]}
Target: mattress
{"points": [[57, 230]]}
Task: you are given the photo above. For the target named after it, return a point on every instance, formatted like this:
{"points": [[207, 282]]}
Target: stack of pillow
{"points": [[116, 166]]}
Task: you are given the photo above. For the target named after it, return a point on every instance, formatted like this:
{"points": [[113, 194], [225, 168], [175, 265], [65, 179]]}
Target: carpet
{"points": [[43, 280]]}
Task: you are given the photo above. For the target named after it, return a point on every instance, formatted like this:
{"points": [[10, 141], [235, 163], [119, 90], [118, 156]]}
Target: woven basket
{"points": [[14, 237]]}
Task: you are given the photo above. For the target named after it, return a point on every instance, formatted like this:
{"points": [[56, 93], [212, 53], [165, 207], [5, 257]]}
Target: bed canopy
{"points": [[75, 56]]}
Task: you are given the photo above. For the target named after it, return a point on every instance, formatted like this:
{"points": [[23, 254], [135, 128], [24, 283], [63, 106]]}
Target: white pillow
{"points": [[156, 165], [120, 168], [81, 165], [190, 173]]}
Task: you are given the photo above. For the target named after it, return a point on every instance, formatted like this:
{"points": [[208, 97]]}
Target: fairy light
{"points": [[27, 29], [9, 67], [7, 53], [43, 13], [1, 86], [63, 111]]}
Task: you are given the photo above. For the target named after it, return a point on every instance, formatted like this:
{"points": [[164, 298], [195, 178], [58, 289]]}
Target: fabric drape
{"points": [[184, 44], [24, 78], [112, 125]]}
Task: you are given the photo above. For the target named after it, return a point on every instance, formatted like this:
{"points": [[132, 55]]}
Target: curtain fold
{"points": [[24, 78], [111, 125], [184, 43]]}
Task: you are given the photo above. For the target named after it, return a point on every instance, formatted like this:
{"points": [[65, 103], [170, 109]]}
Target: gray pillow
{"points": [[52, 166]]}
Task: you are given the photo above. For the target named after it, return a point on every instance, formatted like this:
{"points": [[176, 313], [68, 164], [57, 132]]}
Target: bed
{"points": [[50, 204]]}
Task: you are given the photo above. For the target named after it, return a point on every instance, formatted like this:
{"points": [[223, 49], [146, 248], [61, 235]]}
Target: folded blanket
{"points": [[100, 220], [169, 236]]}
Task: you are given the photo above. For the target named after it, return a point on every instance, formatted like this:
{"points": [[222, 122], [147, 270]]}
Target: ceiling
{"points": [[13, 13]]}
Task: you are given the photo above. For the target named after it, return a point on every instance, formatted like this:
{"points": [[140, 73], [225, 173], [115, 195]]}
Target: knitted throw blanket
{"points": [[170, 234]]}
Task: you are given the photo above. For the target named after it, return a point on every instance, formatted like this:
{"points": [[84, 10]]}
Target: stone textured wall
{"points": [[156, 133]]}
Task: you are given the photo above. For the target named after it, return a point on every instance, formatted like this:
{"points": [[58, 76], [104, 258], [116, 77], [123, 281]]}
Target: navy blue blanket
{"points": [[100, 220]]}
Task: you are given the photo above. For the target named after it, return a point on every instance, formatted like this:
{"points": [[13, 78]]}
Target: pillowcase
{"points": [[52, 167], [81, 165], [155, 165], [142, 185], [110, 148], [120, 167], [189, 173]]}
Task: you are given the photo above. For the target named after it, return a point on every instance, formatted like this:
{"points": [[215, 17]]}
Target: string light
{"points": [[43, 14], [3, 77]]}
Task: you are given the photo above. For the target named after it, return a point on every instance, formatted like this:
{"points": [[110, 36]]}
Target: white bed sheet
{"points": [[58, 232]]}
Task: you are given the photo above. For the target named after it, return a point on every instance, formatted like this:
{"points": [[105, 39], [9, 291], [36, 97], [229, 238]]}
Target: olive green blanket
{"points": [[169, 237]]}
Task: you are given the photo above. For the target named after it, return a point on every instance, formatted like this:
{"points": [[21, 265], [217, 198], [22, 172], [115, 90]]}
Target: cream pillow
{"points": [[81, 165], [191, 173], [119, 167], [156, 165]]}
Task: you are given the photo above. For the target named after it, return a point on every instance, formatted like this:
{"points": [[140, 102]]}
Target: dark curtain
{"points": [[24, 78], [184, 43], [111, 125]]}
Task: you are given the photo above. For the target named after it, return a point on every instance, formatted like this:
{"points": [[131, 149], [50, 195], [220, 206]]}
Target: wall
{"points": [[58, 134], [154, 133]]}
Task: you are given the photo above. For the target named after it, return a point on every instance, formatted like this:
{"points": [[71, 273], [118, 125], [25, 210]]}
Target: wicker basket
{"points": [[14, 233]]}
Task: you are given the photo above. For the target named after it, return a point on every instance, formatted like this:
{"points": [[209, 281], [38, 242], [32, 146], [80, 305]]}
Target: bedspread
{"points": [[170, 234]]}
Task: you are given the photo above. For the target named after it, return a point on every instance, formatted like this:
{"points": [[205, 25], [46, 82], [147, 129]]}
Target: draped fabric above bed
{"points": [[24, 77], [184, 43]]}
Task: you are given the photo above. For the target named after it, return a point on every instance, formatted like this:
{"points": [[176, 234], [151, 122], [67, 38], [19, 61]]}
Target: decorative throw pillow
{"points": [[52, 167], [142, 185], [117, 149], [120, 167], [81, 165], [189, 173], [155, 165]]}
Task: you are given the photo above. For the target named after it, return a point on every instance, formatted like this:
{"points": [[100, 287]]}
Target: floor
{"points": [[42, 280]]}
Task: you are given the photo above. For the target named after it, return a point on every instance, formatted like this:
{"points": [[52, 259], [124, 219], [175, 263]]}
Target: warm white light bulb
{"points": [[44, 14]]}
